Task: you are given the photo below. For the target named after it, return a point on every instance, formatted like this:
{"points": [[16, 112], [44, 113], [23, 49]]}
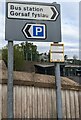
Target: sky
{"points": [[69, 26]]}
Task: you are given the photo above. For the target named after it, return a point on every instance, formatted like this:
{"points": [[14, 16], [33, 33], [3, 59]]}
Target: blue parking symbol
{"points": [[38, 31]]}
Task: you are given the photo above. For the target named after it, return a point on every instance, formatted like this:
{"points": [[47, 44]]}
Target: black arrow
{"points": [[54, 13], [27, 30]]}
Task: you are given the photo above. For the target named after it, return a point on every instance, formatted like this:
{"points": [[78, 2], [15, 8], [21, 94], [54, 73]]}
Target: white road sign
{"points": [[35, 31], [31, 11]]}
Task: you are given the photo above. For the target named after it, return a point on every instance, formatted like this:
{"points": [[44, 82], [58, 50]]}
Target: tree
{"points": [[18, 56], [5, 54], [0, 54], [49, 56], [23, 51], [65, 57], [30, 51], [75, 59]]}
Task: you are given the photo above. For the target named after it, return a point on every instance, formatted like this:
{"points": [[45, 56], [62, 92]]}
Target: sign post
{"points": [[32, 21], [58, 91], [10, 80], [57, 56]]}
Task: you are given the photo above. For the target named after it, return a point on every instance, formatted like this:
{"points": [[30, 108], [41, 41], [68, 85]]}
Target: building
{"points": [[48, 69], [73, 70]]}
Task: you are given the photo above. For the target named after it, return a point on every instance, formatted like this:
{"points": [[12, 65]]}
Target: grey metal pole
{"points": [[10, 81], [58, 91]]}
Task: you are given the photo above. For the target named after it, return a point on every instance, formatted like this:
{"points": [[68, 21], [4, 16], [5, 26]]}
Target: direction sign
{"points": [[38, 21], [35, 31], [28, 11]]}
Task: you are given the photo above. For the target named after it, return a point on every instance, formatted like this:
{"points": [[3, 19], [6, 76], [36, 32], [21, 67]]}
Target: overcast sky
{"points": [[69, 26]]}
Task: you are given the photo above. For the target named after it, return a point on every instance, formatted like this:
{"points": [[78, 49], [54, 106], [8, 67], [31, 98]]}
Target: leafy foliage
{"points": [[18, 57], [5, 54], [24, 51], [30, 51]]}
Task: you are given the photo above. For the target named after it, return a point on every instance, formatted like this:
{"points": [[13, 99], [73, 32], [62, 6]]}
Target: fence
{"points": [[37, 98]]}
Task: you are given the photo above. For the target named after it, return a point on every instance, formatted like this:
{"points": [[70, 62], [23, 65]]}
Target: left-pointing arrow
{"points": [[26, 31]]}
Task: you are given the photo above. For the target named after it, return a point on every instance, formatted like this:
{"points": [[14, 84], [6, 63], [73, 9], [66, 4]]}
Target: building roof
{"points": [[44, 65], [72, 66]]}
